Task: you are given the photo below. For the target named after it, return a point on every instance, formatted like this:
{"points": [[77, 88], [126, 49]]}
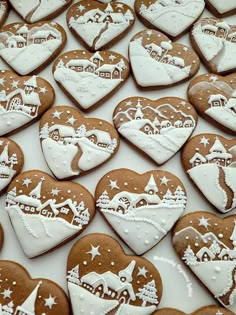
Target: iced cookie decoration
{"points": [[158, 128], [1, 236], [4, 8], [141, 208], [206, 244], [38, 10], [89, 79], [210, 160], [29, 48], [46, 213], [214, 97], [23, 99], [11, 161], [102, 279], [99, 25], [22, 295], [206, 310], [221, 8], [157, 62], [73, 144], [172, 17], [215, 42]]}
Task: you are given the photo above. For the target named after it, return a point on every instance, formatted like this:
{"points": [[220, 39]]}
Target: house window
{"points": [[107, 75], [32, 209], [102, 74], [22, 207], [116, 72], [55, 137], [146, 128], [44, 211], [64, 210], [27, 208], [15, 102]]}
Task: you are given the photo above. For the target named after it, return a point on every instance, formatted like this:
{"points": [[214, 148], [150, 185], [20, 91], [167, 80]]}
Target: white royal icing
{"points": [[172, 17], [7, 164], [223, 6]]}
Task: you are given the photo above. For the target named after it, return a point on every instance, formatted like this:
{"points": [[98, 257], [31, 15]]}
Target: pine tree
{"points": [[60, 64], [11, 195], [121, 64], [72, 22], [73, 275], [180, 196], [189, 256], [44, 132], [168, 198], [113, 145], [81, 131], [128, 16], [142, 8], [8, 309], [148, 293], [80, 206], [85, 216], [13, 160], [103, 201], [215, 248]]}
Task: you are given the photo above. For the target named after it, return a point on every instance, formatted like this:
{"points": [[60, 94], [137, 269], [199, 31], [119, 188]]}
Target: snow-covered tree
{"points": [[60, 64], [113, 145], [80, 206], [11, 195], [180, 196], [73, 275], [85, 216], [121, 64], [7, 309], [81, 131], [142, 8], [215, 248], [103, 201], [189, 256], [72, 22], [44, 132], [168, 198], [128, 16], [148, 293], [13, 160]]}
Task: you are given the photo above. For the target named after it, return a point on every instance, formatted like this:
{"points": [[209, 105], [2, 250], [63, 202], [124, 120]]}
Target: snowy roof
{"points": [[80, 62], [89, 15], [4, 156], [231, 253], [26, 200], [51, 204], [23, 29], [223, 25], [217, 155], [232, 35], [108, 68], [116, 17], [205, 250], [135, 198], [28, 306], [198, 156], [16, 38], [231, 104], [67, 202], [209, 27], [64, 131], [97, 56], [102, 136], [31, 82], [44, 34], [155, 48], [151, 185], [216, 97], [178, 61], [217, 147]]}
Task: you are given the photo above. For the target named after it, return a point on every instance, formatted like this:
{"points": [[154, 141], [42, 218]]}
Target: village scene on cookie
{"points": [[211, 255], [97, 24]]}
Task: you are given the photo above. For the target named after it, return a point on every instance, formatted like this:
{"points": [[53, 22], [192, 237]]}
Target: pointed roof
{"points": [[218, 151], [23, 29], [151, 185], [96, 56], [109, 8], [217, 147], [223, 25], [127, 272], [4, 156], [37, 190], [31, 82], [198, 156], [28, 306]]}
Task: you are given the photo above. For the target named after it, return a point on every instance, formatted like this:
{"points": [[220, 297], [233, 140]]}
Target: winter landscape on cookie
{"points": [[7, 164]]}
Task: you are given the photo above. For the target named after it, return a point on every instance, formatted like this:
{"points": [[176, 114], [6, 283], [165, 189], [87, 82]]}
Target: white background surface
{"points": [[181, 289]]}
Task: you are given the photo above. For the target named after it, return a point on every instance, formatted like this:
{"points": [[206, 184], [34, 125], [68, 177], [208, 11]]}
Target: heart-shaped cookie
{"points": [[46, 213], [89, 79], [221, 8], [210, 161], [29, 48], [141, 208], [1, 236], [99, 25], [103, 280], [206, 310], [11, 161], [173, 18], [4, 8], [158, 128], [38, 10], [206, 243], [158, 63], [73, 144], [214, 97], [23, 99], [215, 42], [22, 295]]}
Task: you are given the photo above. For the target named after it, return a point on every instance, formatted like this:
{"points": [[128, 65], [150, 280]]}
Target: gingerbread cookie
{"points": [[1, 236], [206, 310], [221, 8], [141, 208], [210, 160], [22, 295], [73, 144], [215, 42], [102, 279], [214, 97], [4, 8], [206, 243], [158, 63], [11, 161], [45, 213], [157, 128], [173, 18], [23, 99], [29, 48], [38, 10], [99, 25], [89, 79]]}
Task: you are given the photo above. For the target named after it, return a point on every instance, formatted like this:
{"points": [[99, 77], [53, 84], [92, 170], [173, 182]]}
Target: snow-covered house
{"points": [[177, 61], [209, 29], [217, 100], [61, 133], [165, 124], [223, 29], [67, 210], [188, 123], [96, 59], [232, 37], [43, 35], [99, 137], [154, 50], [16, 41], [204, 254], [149, 128], [4, 161], [48, 209], [90, 16], [23, 31], [109, 71], [197, 159], [218, 154], [178, 123], [227, 254], [116, 18], [81, 65]]}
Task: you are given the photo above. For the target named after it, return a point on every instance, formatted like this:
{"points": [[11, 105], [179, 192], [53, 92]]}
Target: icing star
{"points": [[14, 84], [119, 5], [43, 90], [6, 293], [204, 222], [56, 114], [164, 180], [113, 184], [81, 8], [183, 103], [27, 181], [219, 313], [2, 81], [50, 301], [55, 191], [149, 33], [142, 272], [204, 141], [129, 103], [71, 120], [112, 57], [213, 78], [94, 252], [16, 26]]}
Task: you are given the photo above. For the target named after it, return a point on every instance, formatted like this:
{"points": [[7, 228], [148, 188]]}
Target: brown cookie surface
{"points": [[34, 11], [89, 79], [158, 128], [173, 18], [141, 208], [214, 97], [45, 213], [73, 144], [206, 243], [206, 310], [215, 42], [23, 99], [99, 25], [11, 161], [4, 9], [221, 8], [20, 294], [39, 42], [209, 160], [1, 236], [104, 280], [158, 63]]}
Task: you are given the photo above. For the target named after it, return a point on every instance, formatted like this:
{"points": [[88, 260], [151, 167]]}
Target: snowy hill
{"points": [[223, 115], [6, 118]]}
